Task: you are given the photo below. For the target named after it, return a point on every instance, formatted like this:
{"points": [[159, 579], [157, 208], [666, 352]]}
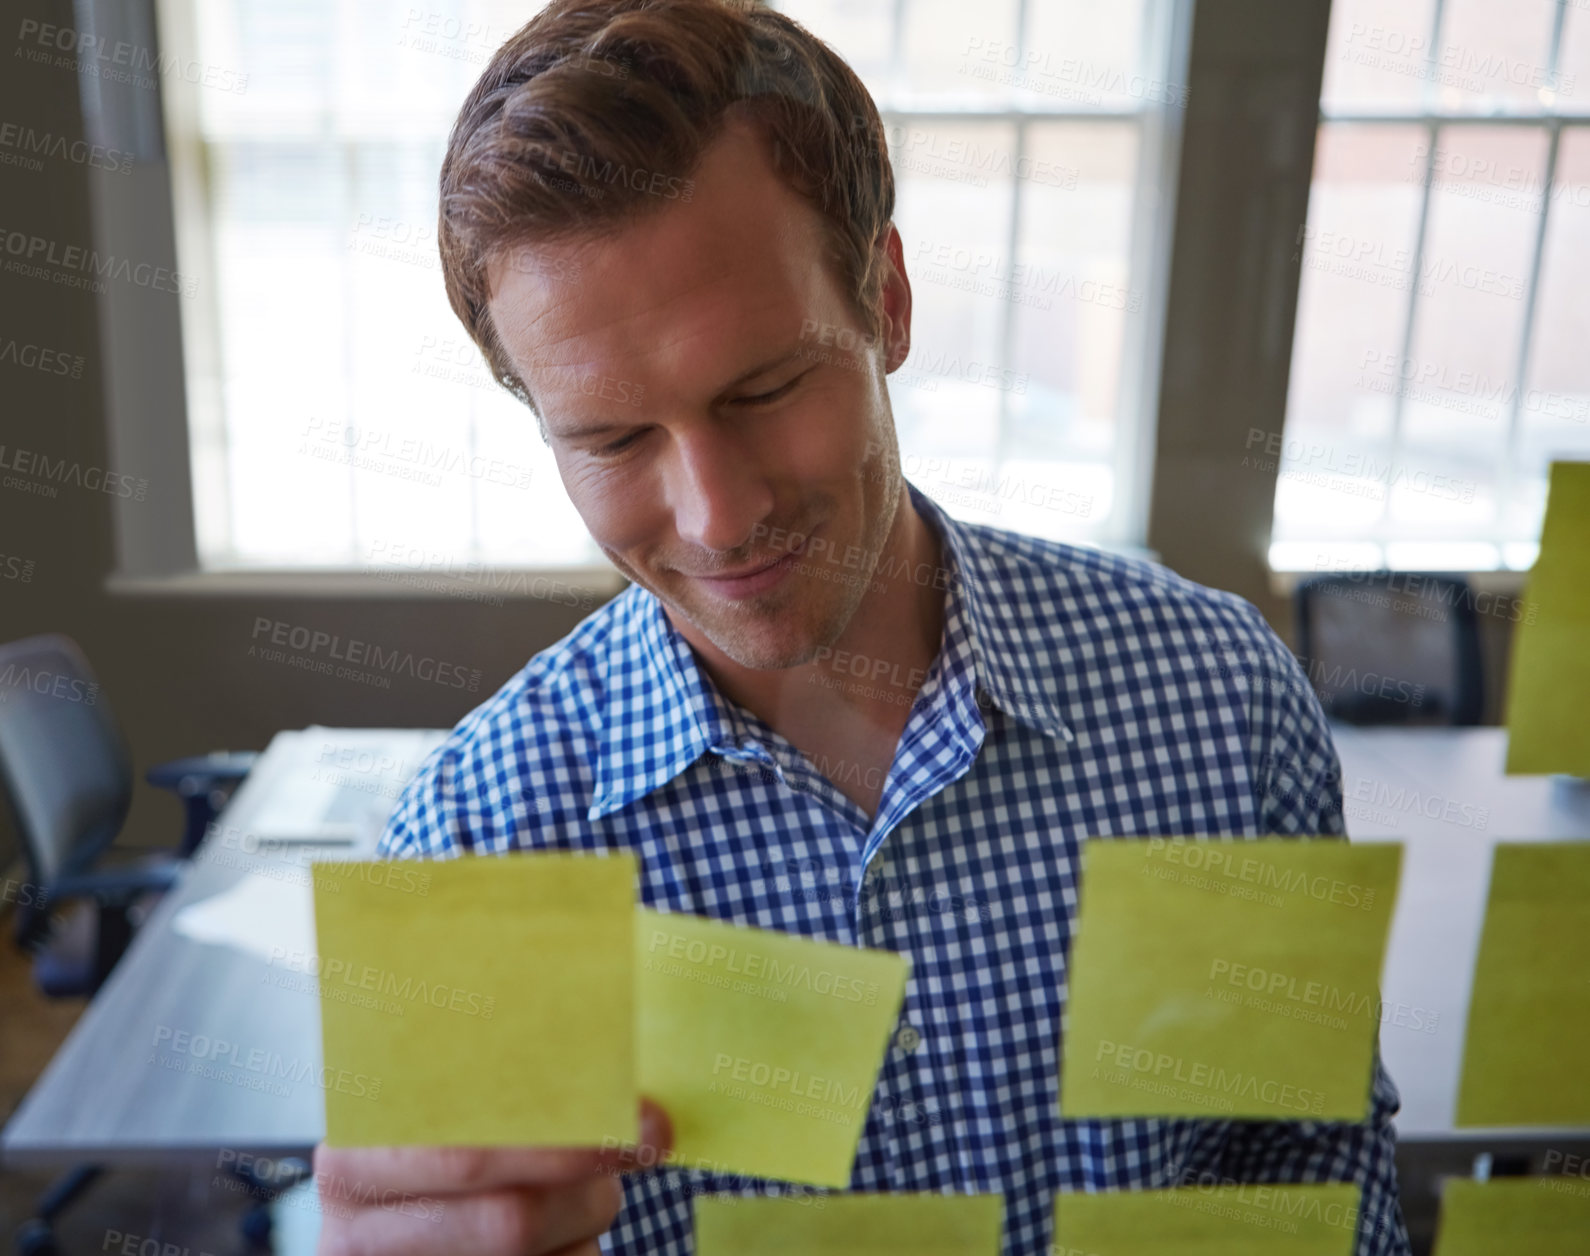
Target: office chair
{"points": [[1386, 647], [67, 777]]}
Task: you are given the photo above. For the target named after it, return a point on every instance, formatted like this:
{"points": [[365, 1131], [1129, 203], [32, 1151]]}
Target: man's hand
{"points": [[484, 1201]]}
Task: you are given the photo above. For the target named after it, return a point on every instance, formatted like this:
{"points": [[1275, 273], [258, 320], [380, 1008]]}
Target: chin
{"points": [[764, 642], [772, 636]]}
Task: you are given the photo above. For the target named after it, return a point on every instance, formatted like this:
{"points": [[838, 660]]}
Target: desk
{"points": [[1441, 792], [102, 1099], [109, 1095]]}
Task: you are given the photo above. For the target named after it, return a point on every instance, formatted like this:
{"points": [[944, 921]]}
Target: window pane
{"points": [[1358, 274], [282, 356], [1090, 54], [1463, 362], [1025, 440], [361, 427], [957, 256], [1377, 54], [1554, 409], [1494, 53], [952, 49], [1572, 82], [1459, 409], [1068, 341]]}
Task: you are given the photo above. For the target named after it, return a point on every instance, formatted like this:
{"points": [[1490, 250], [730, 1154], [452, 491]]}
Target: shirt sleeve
{"points": [[426, 822], [1297, 783], [1297, 777]]}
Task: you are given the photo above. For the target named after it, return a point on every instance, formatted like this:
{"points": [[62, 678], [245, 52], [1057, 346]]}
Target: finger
{"points": [[656, 1140], [509, 1222], [460, 1170], [352, 1171], [579, 1213]]}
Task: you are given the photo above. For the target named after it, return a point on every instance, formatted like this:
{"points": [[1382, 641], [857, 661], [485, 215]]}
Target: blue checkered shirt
{"points": [[1075, 694]]}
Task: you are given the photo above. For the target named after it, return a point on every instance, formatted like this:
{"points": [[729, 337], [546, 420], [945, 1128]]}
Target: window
{"points": [[1034, 150], [339, 416], [1438, 365]]}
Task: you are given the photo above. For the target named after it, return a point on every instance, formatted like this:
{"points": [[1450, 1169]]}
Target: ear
{"points": [[896, 331]]}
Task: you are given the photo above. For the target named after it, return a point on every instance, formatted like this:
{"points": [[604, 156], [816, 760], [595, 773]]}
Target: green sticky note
{"points": [[848, 1225], [1549, 682], [1209, 1221], [1529, 1016], [764, 1048], [1226, 978], [486, 1001], [1547, 1216]]}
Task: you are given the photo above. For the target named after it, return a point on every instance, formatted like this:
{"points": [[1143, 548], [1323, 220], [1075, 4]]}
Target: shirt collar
{"points": [[655, 720], [1004, 634], [663, 713]]}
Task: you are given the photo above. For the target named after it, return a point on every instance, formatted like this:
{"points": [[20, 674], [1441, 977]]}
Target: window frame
{"points": [[1434, 121], [152, 404]]}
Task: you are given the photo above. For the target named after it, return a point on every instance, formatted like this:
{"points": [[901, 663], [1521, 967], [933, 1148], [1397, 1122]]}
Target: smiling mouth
{"points": [[759, 568], [749, 571]]}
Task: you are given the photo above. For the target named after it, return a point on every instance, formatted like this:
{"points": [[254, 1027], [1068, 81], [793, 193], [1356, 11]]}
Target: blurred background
{"points": [[1317, 315], [1265, 290]]}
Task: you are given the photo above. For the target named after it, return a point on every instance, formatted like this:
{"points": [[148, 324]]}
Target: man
{"points": [[824, 707]]}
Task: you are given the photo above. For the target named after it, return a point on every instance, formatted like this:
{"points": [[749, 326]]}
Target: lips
{"points": [[744, 571], [754, 579], [755, 568]]}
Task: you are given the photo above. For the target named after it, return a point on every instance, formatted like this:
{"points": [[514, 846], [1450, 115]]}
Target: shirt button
{"points": [[908, 1039]]}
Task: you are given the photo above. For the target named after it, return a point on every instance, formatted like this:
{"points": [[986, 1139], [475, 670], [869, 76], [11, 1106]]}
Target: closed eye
{"points": [[759, 399], [762, 399], [622, 443]]}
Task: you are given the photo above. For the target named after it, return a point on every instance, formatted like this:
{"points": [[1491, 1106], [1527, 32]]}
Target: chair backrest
{"points": [[63, 762], [1387, 647]]}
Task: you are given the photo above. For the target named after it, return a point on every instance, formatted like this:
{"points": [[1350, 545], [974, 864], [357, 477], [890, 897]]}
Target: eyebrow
{"points": [[597, 429]]}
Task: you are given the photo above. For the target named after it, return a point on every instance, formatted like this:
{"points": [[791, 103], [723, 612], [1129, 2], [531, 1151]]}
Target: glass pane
{"points": [[1334, 460], [1088, 54], [952, 49], [1473, 424], [362, 427], [1494, 52], [1457, 482], [1463, 363], [957, 257], [1572, 82], [1068, 339], [283, 382], [1377, 55], [1554, 409]]}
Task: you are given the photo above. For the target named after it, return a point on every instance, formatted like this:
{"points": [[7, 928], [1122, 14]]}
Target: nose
{"points": [[717, 488]]}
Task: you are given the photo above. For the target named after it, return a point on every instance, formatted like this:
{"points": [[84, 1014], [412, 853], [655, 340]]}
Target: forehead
{"points": [[676, 298]]}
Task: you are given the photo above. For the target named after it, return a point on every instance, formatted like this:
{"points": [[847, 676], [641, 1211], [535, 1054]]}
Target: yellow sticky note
{"points": [[1529, 1016], [849, 1225], [764, 1048], [1514, 1217], [1226, 978], [487, 1001], [1549, 682], [1209, 1221]]}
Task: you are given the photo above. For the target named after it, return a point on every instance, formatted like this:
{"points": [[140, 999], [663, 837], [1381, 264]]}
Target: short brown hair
{"points": [[597, 111]]}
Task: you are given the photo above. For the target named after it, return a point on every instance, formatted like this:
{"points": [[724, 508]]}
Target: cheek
{"points": [[617, 505], [834, 433]]}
